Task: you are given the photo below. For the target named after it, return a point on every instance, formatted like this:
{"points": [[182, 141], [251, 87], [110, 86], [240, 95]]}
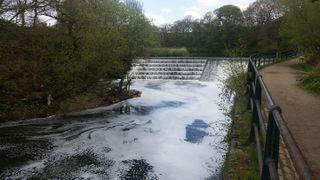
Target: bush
{"points": [[202, 52], [312, 82], [169, 52], [304, 67]]}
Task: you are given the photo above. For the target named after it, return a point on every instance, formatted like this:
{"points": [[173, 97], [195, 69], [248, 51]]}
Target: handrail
{"points": [[276, 126]]}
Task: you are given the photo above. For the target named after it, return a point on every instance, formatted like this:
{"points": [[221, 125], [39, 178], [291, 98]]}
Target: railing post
{"points": [[271, 153], [258, 88], [253, 122], [249, 92], [270, 59], [256, 97]]}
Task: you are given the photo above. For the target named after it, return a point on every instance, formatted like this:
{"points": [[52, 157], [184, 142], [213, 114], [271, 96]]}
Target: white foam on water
{"points": [[162, 143]]}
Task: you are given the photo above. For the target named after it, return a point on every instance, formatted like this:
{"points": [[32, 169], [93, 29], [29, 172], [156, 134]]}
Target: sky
{"points": [[167, 11]]}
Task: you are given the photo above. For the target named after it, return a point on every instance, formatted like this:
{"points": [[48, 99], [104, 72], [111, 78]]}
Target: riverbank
{"points": [[241, 161], [39, 109]]}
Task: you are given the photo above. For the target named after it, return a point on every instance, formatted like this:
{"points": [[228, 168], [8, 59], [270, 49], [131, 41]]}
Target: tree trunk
{"points": [[22, 15], [35, 11], [121, 85], [21, 11]]}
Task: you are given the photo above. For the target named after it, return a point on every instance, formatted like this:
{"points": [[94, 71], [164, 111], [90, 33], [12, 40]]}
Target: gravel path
{"points": [[300, 109]]}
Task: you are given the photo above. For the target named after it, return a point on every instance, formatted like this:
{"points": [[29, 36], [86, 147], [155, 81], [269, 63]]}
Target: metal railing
{"points": [[268, 125]]}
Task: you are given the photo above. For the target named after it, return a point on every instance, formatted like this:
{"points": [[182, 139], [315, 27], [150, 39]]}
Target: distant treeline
{"points": [[265, 26]]}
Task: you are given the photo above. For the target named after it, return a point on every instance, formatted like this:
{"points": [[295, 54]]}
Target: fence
{"points": [[268, 125]]}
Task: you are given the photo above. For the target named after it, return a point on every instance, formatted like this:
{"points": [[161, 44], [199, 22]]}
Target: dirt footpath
{"points": [[300, 109]]}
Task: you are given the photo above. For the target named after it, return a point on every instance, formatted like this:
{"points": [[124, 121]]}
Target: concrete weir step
{"points": [[179, 68], [168, 69]]}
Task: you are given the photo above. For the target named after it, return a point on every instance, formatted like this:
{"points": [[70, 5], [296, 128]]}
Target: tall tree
{"points": [[92, 40], [262, 12], [302, 22], [229, 15], [230, 22]]}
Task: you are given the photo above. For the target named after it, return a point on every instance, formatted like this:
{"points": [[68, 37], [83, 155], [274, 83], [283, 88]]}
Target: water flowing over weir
{"points": [[175, 130], [203, 69]]}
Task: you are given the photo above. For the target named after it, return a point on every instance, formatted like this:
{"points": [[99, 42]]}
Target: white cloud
{"points": [[166, 10], [156, 19], [201, 7], [207, 2], [242, 4], [195, 12], [162, 13]]}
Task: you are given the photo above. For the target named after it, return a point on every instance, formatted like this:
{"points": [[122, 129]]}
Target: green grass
{"points": [[242, 160], [201, 52], [169, 52], [303, 67], [311, 80], [80, 102]]}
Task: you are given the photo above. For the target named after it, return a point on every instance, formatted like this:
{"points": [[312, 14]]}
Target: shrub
{"points": [[312, 82], [169, 52]]}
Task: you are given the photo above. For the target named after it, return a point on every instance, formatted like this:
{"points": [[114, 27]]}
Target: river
{"points": [[175, 130]]}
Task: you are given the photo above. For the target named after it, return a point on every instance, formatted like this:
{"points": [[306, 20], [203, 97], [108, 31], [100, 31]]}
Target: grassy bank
{"points": [[169, 52], [311, 79], [37, 108], [242, 160]]}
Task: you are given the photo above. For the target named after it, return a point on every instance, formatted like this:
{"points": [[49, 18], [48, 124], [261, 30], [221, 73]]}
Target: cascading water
{"points": [[204, 69], [169, 69]]}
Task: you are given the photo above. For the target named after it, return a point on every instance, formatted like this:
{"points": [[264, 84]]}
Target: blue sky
{"points": [[168, 11]]}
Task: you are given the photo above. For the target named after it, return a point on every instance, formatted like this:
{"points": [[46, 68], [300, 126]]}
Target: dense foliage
{"points": [[168, 52], [90, 41], [302, 26], [228, 29]]}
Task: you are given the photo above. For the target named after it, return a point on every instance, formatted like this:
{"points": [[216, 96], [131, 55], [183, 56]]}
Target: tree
{"points": [[262, 12], [217, 31], [208, 17], [92, 40], [182, 30], [229, 15], [302, 24], [134, 4], [229, 20]]}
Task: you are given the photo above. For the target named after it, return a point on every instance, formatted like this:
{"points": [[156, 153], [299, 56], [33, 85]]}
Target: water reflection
{"points": [[196, 131]]}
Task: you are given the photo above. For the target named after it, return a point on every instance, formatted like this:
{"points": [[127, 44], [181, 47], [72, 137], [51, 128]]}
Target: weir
{"points": [[172, 68]]}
